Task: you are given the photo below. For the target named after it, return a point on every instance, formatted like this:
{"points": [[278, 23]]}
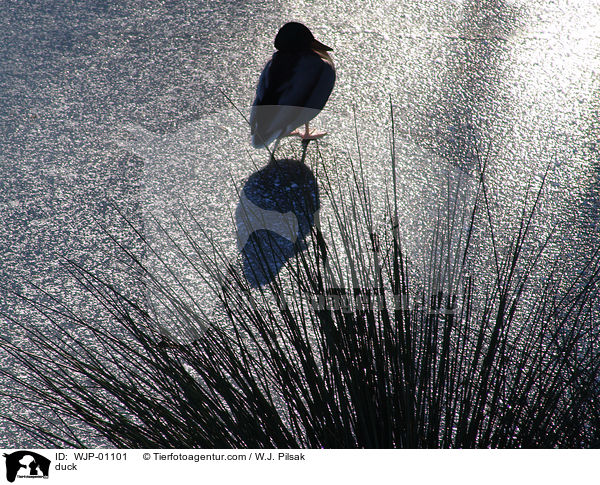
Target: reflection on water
{"points": [[469, 94], [122, 103]]}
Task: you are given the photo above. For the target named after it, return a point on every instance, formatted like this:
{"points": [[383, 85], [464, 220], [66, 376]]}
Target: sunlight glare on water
{"points": [[123, 104]]}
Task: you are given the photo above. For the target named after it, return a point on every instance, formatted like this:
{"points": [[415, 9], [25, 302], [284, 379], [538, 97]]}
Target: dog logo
{"points": [[26, 464]]}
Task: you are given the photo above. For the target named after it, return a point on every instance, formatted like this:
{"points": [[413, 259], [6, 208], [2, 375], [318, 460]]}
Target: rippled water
{"points": [[124, 104]]}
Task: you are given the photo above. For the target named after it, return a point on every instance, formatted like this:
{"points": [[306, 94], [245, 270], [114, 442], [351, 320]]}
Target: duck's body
{"points": [[293, 87]]}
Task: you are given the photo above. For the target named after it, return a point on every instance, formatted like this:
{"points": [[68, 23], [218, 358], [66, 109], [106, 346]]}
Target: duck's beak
{"points": [[318, 46]]}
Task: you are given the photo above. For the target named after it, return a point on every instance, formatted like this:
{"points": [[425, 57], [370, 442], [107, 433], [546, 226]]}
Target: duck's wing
{"points": [[263, 85], [261, 114]]}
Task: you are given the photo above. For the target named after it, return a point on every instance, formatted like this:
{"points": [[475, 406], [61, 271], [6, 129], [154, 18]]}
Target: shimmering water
{"points": [[124, 104]]}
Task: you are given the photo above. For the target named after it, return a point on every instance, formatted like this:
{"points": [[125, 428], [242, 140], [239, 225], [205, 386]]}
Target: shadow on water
{"points": [[468, 99], [278, 207], [589, 207]]}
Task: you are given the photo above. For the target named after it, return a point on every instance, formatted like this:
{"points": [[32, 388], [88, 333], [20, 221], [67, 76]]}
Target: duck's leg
{"points": [[272, 150]]}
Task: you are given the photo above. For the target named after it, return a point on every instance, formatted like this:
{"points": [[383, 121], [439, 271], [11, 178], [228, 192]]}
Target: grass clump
{"points": [[352, 344]]}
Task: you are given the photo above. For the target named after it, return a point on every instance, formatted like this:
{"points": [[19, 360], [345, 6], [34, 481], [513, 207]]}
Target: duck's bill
{"points": [[318, 46]]}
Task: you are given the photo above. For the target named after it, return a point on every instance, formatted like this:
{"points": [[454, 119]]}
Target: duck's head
{"points": [[295, 37]]}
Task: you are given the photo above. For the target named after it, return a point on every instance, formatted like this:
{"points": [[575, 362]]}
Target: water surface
{"points": [[124, 104]]}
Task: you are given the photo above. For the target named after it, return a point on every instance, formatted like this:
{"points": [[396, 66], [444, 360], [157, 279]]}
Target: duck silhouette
{"points": [[293, 87]]}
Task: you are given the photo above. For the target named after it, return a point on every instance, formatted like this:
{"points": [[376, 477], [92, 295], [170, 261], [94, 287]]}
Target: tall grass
{"points": [[352, 345]]}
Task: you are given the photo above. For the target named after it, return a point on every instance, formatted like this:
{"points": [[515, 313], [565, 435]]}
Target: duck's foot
{"points": [[308, 135]]}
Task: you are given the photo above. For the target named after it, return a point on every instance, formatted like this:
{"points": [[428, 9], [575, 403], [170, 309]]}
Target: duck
{"points": [[293, 88]]}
